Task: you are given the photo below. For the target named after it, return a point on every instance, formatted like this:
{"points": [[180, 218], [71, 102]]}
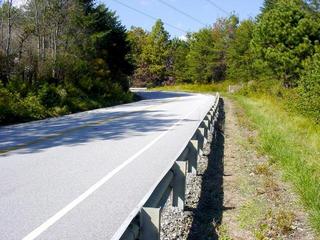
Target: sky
{"points": [[203, 11]]}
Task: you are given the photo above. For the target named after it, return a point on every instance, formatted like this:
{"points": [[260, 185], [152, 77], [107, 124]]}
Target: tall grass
{"points": [[292, 142]]}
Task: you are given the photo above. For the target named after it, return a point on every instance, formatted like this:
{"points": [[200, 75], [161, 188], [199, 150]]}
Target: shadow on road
{"points": [[101, 124], [208, 214]]}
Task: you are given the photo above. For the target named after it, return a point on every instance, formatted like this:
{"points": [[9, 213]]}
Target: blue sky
{"points": [[202, 10]]}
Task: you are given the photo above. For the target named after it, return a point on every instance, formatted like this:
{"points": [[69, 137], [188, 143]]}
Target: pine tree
{"points": [[155, 56]]}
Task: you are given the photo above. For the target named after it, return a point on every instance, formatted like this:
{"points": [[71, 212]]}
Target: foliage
{"points": [[208, 49], [204, 88], [284, 37], [240, 57], [59, 57], [179, 50], [200, 59], [154, 56], [309, 88]]}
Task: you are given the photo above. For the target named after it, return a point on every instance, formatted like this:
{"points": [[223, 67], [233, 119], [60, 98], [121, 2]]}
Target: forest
{"points": [[277, 53], [60, 56], [64, 56]]}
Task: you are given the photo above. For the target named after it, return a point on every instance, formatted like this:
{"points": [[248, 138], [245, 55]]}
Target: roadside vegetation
{"points": [[204, 88], [58, 57], [292, 142], [272, 63]]}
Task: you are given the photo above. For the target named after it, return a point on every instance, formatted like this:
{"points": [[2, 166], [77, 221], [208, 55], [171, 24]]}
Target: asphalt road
{"points": [[86, 175]]}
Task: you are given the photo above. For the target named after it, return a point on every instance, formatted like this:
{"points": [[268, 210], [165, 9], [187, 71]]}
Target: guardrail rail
{"points": [[146, 225]]}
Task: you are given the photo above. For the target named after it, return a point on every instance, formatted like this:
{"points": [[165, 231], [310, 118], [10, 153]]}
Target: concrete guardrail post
{"points": [[150, 223], [208, 117], [132, 232], [179, 184], [201, 136], [193, 156], [206, 126]]}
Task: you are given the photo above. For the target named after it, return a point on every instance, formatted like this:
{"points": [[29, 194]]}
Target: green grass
{"points": [[292, 142], [205, 88]]}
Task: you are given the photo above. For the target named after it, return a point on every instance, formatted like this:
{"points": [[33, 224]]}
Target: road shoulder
{"points": [[264, 206]]}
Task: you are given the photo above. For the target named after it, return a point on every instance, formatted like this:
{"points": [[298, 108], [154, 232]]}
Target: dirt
{"points": [[261, 205]]}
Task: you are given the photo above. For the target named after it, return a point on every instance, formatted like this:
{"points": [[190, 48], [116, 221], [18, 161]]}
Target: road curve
{"points": [[85, 175]]}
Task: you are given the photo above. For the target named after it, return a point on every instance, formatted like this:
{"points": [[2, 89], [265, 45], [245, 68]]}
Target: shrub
{"points": [[309, 88]]}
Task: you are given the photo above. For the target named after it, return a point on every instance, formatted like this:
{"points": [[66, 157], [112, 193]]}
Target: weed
{"points": [[284, 220], [223, 232], [262, 169], [293, 143]]}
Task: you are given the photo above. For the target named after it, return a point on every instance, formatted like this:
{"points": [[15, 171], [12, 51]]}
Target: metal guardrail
{"points": [[136, 89], [146, 225]]}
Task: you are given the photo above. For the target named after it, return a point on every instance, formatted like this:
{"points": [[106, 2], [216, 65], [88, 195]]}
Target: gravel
{"points": [[177, 224]]}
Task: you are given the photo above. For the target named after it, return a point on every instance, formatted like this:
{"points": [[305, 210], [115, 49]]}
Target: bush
{"points": [[309, 88], [49, 96], [14, 108]]}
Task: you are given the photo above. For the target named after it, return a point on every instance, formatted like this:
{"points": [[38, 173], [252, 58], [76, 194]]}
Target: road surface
{"points": [[85, 176]]}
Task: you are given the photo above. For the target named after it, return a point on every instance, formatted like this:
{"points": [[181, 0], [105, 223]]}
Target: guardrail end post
{"points": [[179, 184], [150, 223], [193, 156]]}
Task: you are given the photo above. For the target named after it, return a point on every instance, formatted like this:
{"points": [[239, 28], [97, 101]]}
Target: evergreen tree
{"points": [[239, 55], [201, 57], [178, 52], [155, 56], [284, 37], [268, 5]]}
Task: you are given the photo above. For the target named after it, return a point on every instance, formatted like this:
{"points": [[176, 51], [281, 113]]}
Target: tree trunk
{"points": [[9, 30], [1, 27]]}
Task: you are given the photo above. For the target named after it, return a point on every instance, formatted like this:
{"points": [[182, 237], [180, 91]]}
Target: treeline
{"points": [[276, 53], [200, 58], [60, 56]]}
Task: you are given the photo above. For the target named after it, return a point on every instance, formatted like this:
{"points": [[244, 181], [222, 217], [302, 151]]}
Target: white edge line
{"points": [[118, 234], [56, 217]]}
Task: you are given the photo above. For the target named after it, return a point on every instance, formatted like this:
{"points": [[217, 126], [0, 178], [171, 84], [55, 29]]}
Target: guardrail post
{"points": [[206, 126], [201, 136], [132, 232], [150, 223], [179, 184], [193, 156], [208, 117]]}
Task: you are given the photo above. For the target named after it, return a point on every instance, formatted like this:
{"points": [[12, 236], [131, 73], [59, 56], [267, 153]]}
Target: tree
{"points": [[155, 56], [207, 59], [309, 86], [61, 56], [239, 56], [268, 5], [201, 57], [179, 51], [137, 38], [314, 4], [284, 37], [223, 34]]}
